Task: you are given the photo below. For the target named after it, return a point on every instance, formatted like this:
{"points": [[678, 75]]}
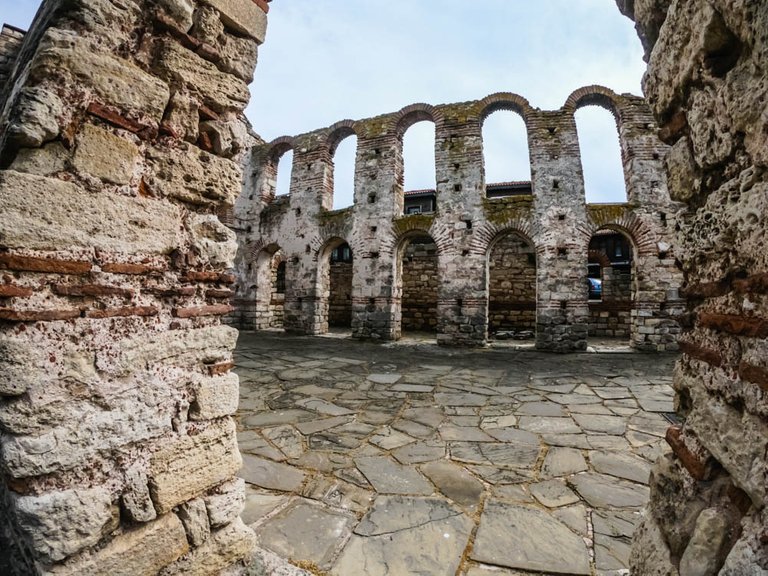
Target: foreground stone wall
{"points": [[554, 219], [120, 138], [512, 285], [707, 86]]}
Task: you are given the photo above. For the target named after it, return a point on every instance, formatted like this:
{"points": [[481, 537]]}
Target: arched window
{"points": [[600, 155], [284, 170], [505, 155], [419, 157], [344, 173]]}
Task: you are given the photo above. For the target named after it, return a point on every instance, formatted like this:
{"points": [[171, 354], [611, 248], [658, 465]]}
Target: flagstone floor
{"points": [[409, 458]]}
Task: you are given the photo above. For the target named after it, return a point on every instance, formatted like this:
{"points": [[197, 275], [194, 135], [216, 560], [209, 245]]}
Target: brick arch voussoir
{"points": [[338, 132], [279, 146], [600, 257], [485, 235], [642, 237], [413, 113], [596, 95], [255, 247], [504, 101]]}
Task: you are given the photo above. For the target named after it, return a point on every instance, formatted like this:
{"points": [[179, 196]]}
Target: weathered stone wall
{"points": [[707, 86], [120, 137], [512, 285], [420, 282], [555, 218], [10, 45], [612, 316]]}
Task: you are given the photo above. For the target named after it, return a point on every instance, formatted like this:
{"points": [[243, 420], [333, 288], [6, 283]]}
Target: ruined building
{"points": [[439, 259], [121, 135]]}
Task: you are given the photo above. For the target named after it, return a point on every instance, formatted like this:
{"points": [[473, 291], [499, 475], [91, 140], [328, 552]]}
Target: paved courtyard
{"points": [[396, 459]]}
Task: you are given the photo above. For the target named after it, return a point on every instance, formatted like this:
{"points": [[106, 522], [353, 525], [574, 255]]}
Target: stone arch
{"points": [[333, 285], [274, 151], [511, 261], [484, 236], [416, 281], [640, 235], [413, 113], [337, 133], [269, 299]]}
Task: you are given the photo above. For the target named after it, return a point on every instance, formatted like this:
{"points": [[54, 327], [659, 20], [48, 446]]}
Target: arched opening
{"points": [[418, 281], [344, 173], [335, 286], [506, 158], [270, 274], [419, 181], [511, 280], [284, 169], [601, 159], [610, 288]]}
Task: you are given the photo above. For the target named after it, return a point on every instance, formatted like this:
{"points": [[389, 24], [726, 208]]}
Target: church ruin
{"points": [[122, 137]]}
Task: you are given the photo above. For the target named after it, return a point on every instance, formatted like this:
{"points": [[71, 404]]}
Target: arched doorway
{"points": [[511, 277], [611, 287], [418, 281], [270, 274], [335, 286]]}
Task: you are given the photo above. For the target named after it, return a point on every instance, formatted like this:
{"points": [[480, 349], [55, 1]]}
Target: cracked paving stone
{"points": [[306, 531], [429, 535], [553, 493], [298, 374], [420, 452], [622, 465], [251, 443], [549, 425], [513, 493], [384, 378], [602, 491], [353, 476], [413, 428], [389, 439], [315, 426], [389, 477], [286, 439], [514, 435], [449, 399], [540, 409], [516, 536], [495, 422], [562, 462], [611, 553], [323, 407], [270, 475], [258, 504], [616, 523], [516, 456], [413, 388], [605, 424], [454, 481], [575, 517], [277, 417], [339, 494], [431, 417], [567, 440], [450, 432], [494, 475]]}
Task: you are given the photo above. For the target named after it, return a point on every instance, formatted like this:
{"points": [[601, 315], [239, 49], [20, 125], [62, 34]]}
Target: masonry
{"points": [[553, 220], [707, 88], [120, 138]]}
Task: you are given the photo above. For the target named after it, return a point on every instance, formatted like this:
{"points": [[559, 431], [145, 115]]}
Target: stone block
{"points": [[105, 156], [181, 11], [136, 500], [35, 117], [175, 347], [216, 244], [183, 68], [238, 56], [215, 397], [193, 464], [59, 524], [225, 547], [226, 503], [193, 175], [182, 117], [47, 214], [141, 552], [21, 364], [44, 161], [114, 81], [194, 517], [702, 555], [243, 17]]}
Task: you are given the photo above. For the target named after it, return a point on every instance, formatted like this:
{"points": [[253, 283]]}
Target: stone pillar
{"points": [[121, 138], [707, 88], [562, 315]]}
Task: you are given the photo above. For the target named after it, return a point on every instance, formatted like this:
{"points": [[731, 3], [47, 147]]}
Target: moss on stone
{"points": [[414, 222], [501, 210]]}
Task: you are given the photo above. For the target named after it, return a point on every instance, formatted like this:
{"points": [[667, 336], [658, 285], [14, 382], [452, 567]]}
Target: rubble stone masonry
{"points": [[555, 221], [121, 134], [707, 86]]}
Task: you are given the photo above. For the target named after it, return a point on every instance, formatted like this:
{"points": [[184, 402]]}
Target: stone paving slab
{"points": [[413, 459]]}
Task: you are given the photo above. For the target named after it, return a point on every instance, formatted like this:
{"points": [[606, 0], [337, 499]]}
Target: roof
{"points": [[423, 192], [511, 184]]}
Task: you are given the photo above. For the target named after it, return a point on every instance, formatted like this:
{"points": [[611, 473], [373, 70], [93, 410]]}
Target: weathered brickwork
{"points": [[554, 218], [707, 87], [121, 135], [340, 296], [512, 285], [419, 281]]}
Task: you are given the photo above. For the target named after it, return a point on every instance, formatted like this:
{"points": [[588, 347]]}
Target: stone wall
{"points": [[555, 217], [10, 45], [420, 282], [120, 138], [511, 285], [612, 316], [707, 87]]}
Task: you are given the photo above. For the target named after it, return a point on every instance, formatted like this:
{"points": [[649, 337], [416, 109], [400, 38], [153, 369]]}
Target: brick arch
{"points": [[504, 101], [338, 132], [489, 232], [278, 147], [600, 257], [255, 248], [410, 115], [439, 233], [640, 235], [321, 245], [595, 95]]}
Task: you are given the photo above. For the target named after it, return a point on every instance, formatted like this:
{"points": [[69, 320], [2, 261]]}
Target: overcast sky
{"points": [[327, 60]]}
